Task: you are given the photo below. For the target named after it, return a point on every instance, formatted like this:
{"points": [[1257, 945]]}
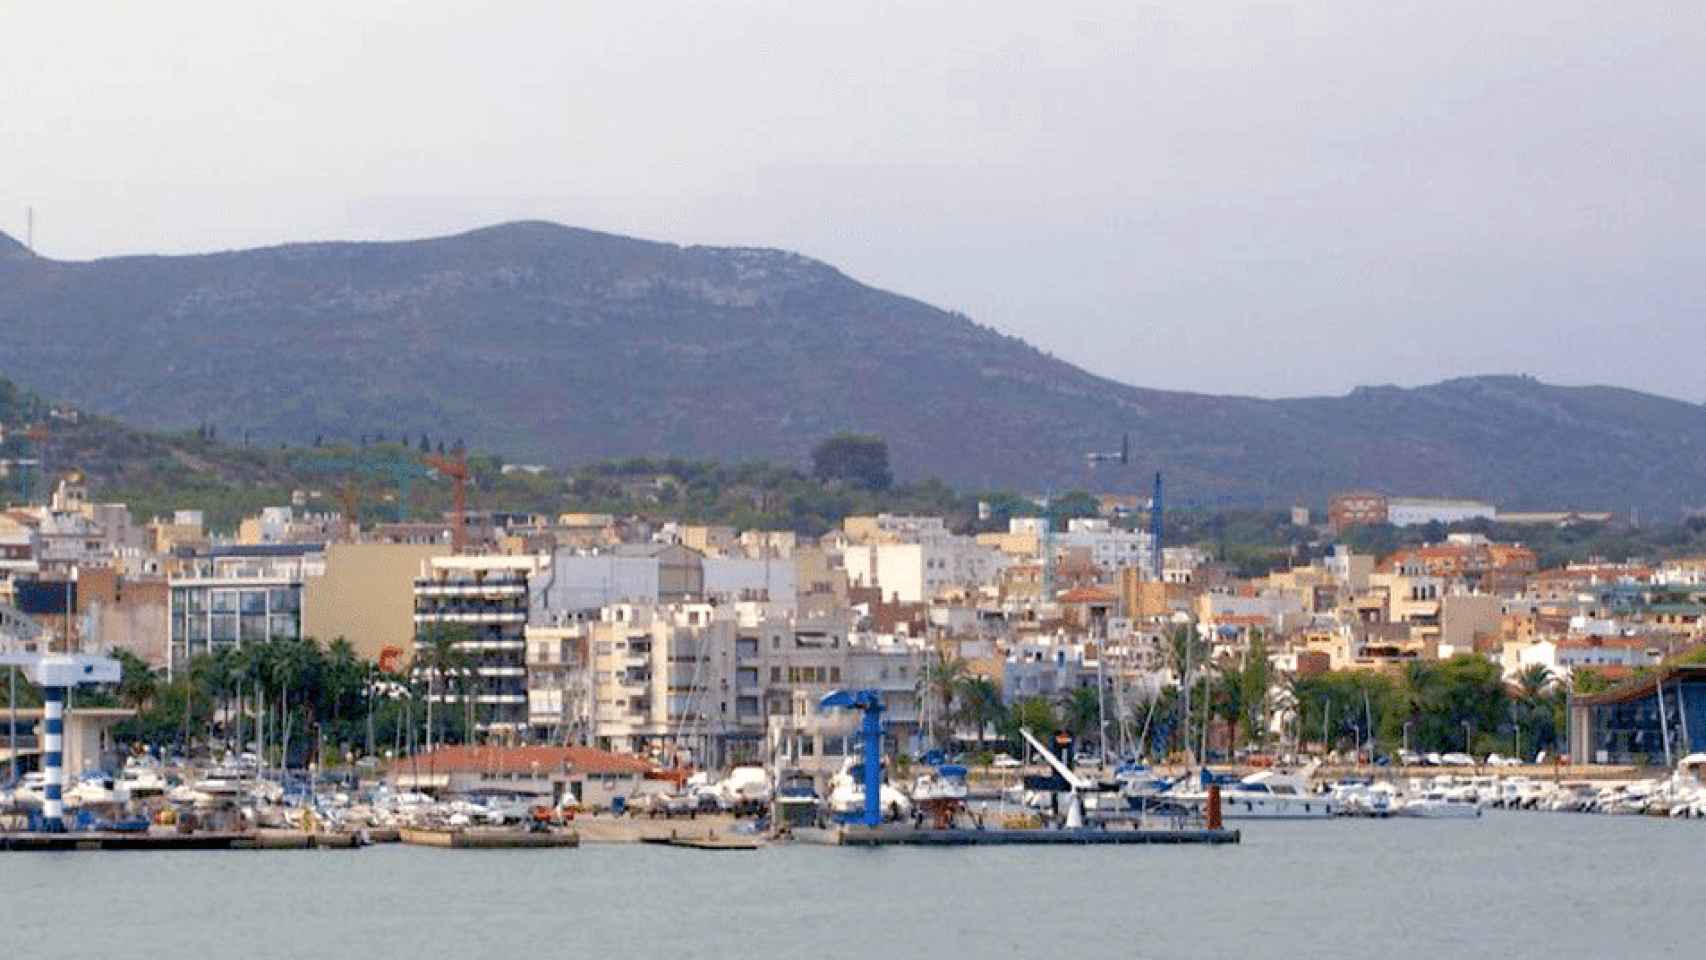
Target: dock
{"points": [[907, 837], [485, 839], [704, 842], [157, 840]]}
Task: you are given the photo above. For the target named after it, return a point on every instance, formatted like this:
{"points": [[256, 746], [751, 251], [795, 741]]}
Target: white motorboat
{"points": [[30, 792], [747, 787], [143, 777], [96, 787], [1688, 787], [847, 794], [219, 786], [1439, 805], [946, 783], [1266, 795]]}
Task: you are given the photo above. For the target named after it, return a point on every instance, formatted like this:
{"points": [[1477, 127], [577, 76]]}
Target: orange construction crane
{"points": [[347, 494], [457, 470]]}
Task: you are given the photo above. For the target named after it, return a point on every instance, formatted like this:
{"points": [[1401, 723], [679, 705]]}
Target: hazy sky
{"points": [[1271, 198]]}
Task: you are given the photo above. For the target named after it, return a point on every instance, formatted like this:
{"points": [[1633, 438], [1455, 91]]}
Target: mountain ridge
{"points": [[564, 345]]}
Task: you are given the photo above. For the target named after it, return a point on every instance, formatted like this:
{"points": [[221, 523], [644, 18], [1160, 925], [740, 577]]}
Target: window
{"points": [[775, 674], [834, 674]]}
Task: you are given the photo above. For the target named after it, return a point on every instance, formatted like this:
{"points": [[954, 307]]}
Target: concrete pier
{"points": [[908, 837]]}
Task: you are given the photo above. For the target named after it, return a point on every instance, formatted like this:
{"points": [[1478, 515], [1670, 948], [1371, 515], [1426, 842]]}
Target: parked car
{"points": [[1457, 760], [1409, 758], [1088, 761], [1500, 760], [1433, 760], [1003, 761]]}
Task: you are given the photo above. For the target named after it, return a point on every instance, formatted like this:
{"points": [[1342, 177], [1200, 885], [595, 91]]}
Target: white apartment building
{"points": [[920, 572], [1110, 547], [484, 599]]}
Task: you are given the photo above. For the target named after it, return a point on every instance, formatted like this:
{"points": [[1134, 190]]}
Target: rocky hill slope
{"points": [[562, 345]]}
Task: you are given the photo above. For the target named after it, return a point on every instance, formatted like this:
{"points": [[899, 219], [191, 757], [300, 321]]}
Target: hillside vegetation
{"points": [[565, 346]]}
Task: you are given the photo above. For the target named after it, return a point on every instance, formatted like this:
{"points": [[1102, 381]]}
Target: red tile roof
{"points": [[522, 760]]}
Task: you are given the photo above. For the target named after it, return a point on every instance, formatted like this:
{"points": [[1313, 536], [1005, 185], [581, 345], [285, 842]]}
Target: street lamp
{"points": [[1407, 735], [1467, 748]]}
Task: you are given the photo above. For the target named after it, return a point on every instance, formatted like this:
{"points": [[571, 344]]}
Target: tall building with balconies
{"points": [[481, 604]]}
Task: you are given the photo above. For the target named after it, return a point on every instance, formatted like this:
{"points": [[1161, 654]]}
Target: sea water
{"points": [[1507, 885]]}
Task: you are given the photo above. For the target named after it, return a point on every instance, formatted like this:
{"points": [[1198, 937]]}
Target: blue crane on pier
{"points": [[870, 703]]}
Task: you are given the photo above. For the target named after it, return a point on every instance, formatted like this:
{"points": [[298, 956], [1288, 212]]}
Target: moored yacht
{"points": [[1267, 795], [1440, 804], [847, 794]]}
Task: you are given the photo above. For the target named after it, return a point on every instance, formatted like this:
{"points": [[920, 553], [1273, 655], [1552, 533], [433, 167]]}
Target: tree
{"points": [[445, 665], [1253, 682], [137, 684], [1035, 714], [1585, 681], [980, 705], [941, 681], [1082, 712], [857, 458]]}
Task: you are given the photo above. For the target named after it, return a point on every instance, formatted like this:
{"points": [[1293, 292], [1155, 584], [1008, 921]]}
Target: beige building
{"points": [[712, 541], [124, 613], [366, 595], [705, 683]]}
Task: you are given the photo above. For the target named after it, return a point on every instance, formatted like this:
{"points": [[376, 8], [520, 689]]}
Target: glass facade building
{"points": [[237, 595], [1631, 724]]}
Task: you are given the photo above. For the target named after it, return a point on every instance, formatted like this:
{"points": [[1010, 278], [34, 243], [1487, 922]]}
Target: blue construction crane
{"points": [[1155, 517], [870, 702]]}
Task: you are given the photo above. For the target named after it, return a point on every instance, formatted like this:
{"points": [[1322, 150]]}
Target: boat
{"points": [[1688, 787], [940, 792], [143, 776], [1267, 795], [797, 803], [943, 783], [847, 794], [219, 786], [30, 792], [746, 788], [1437, 804], [1141, 789], [94, 788]]}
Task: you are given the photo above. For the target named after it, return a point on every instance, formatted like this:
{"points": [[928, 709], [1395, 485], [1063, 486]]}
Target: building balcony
{"points": [[497, 589], [515, 616]]}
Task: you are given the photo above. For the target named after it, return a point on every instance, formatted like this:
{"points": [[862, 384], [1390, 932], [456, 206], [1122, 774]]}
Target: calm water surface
{"points": [[1509, 885]]}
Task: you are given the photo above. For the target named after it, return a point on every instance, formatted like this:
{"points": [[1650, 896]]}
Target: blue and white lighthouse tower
{"points": [[56, 674]]}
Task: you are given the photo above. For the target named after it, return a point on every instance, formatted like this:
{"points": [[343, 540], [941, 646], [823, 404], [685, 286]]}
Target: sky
{"points": [[1272, 198]]}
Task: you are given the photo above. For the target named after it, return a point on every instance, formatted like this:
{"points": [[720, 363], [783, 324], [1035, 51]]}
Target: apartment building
{"points": [[922, 571], [482, 602], [234, 595]]}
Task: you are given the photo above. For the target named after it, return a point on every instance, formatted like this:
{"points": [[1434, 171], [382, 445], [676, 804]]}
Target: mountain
{"points": [[563, 345]]}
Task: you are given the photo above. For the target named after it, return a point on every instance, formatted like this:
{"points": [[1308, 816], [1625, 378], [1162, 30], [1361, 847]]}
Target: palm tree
{"points": [[1533, 682], [1082, 711], [346, 678], [943, 675], [1226, 700], [441, 659], [137, 683], [1533, 708], [980, 705]]}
